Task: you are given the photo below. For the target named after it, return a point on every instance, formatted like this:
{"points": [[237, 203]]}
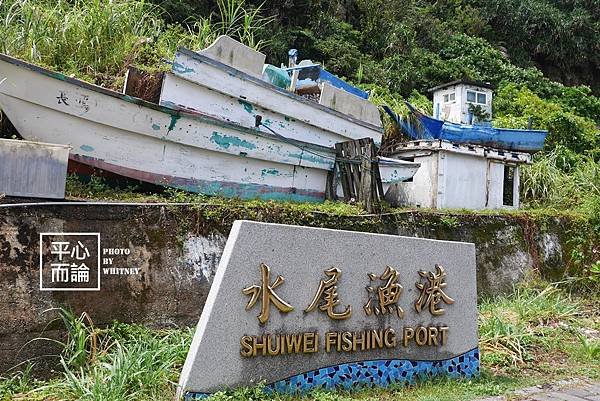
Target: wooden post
{"points": [[343, 168], [331, 186], [359, 172], [366, 188]]}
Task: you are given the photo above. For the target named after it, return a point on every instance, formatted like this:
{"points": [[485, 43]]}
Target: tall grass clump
{"points": [[88, 38], [97, 39], [18, 383], [511, 327], [121, 362], [563, 179]]}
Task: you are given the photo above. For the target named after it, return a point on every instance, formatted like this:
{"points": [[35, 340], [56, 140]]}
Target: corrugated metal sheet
{"points": [[33, 169]]}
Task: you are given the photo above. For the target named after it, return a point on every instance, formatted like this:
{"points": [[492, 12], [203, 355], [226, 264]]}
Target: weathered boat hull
{"points": [[188, 150], [179, 93], [198, 82], [502, 138], [136, 139], [393, 171]]}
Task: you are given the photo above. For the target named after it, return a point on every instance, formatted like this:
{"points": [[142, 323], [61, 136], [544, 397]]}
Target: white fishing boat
{"points": [[188, 145], [237, 93]]}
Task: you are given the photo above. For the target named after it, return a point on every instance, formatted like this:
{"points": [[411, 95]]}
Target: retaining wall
{"points": [[177, 249]]}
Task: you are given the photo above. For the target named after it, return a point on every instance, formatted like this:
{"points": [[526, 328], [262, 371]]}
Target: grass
{"points": [[563, 179], [121, 362], [102, 37], [537, 334], [97, 188]]}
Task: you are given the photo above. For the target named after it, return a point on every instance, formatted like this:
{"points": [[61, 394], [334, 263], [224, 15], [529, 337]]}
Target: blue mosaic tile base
{"points": [[380, 373]]}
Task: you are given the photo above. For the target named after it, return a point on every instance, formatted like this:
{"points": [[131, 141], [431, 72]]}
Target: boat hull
{"points": [[130, 137], [201, 83], [393, 171], [501, 138], [179, 93]]}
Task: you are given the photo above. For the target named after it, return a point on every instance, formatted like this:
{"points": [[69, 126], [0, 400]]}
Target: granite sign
{"points": [[297, 307]]}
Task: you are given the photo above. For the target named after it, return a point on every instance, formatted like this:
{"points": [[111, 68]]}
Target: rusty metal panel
{"points": [[33, 169]]}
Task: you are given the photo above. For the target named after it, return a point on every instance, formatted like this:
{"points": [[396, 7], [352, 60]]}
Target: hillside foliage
{"points": [[542, 55]]}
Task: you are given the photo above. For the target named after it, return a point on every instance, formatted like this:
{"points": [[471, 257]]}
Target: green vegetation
{"points": [[537, 334], [395, 49], [564, 179], [121, 362], [96, 40]]}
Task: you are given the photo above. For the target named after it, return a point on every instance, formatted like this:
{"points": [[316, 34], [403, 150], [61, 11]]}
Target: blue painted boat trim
{"points": [[381, 373], [341, 84], [235, 72], [502, 138], [316, 73], [226, 189]]}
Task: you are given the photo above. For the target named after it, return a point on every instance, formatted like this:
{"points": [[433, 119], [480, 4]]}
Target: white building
{"points": [[456, 100], [458, 176]]}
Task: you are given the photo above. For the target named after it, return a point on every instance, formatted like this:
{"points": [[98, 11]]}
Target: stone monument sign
{"points": [[297, 307]]}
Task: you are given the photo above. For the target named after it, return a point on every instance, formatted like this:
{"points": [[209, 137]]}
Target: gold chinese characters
{"points": [[327, 293], [381, 300], [432, 291], [386, 296], [267, 294]]}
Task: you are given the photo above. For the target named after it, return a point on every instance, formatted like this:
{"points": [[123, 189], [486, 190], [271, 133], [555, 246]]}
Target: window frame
{"points": [[476, 97], [449, 97]]}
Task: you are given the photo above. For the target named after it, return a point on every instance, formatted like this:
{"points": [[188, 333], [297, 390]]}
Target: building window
{"points": [[476, 97], [508, 189], [450, 97]]}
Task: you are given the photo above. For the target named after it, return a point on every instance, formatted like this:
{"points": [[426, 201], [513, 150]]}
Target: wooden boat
{"points": [[426, 127], [201, 82], [215, 151]]}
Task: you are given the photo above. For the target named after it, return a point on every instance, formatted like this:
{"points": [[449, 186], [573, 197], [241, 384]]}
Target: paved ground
{"points": [[570, 390]]}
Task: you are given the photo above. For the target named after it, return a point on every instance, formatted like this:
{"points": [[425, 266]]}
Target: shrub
{"points": [[514, 105]]}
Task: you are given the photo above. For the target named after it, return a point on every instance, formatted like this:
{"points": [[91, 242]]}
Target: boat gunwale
{"points": [[388, 161], [30, 142], [472, 126], [182, 112], [217, 64]]}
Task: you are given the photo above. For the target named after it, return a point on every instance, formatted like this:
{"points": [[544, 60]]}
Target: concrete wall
{"points": [[177, 249], [421, 190]]}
